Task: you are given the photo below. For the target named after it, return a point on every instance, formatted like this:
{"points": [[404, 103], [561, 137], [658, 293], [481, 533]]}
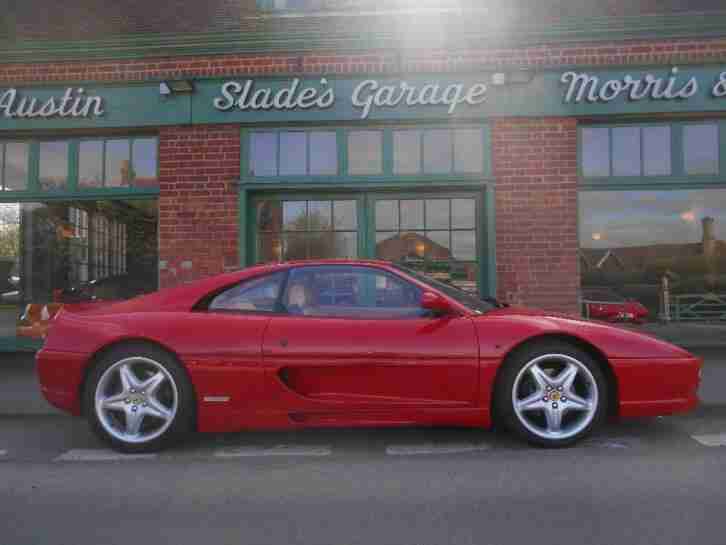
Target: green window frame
{"points": [[388, 171], [72, 188], [678, 176]]}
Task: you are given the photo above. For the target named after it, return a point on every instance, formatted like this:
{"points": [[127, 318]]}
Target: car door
{"points": [[362, 337]]}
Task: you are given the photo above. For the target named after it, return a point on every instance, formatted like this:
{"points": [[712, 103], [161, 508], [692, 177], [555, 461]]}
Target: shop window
{"points": [[112, 163], [700, 149], [90, 163], [293, 153], [14, 165], [294, 229], [436, 236], [680, 149], [53, 253], [647, 255], [438, 151], [53, 165], [365, 152]]}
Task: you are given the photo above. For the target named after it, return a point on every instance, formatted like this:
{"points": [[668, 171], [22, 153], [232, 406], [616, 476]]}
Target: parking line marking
{"points": [[711, 439], [279, 450], [99, 455], [430, 448]]}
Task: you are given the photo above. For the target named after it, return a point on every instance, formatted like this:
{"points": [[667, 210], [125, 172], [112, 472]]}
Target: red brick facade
{"points": [[535, 167], [198, 218], [535, 160]]}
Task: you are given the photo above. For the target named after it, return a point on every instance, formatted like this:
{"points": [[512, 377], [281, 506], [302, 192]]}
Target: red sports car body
{"points": [[416, 353]]}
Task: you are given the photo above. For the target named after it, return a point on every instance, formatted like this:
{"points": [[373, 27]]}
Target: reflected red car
{"points": [[608, 305], [348, 343]]}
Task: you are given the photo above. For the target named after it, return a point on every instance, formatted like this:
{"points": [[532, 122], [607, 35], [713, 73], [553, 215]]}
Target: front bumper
{"points": [[648, 387]]}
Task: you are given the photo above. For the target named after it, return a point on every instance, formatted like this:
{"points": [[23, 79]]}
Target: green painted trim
{"points": [[317, 33], [79, 195], [364, 185], [242, 242], [488, 266]]}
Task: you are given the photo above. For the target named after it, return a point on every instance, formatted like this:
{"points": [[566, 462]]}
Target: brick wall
{"points": [[616, 53], [198, 221], [535, 166]]}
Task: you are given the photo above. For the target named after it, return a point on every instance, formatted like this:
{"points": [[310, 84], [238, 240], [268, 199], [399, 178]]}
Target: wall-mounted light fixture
{"points": [[176, 87], [513, 77]]}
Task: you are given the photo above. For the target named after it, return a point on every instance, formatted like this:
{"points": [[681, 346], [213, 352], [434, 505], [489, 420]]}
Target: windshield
{"points": [[467, 299]]}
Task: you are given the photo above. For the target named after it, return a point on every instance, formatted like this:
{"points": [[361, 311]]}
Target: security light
{"points": [[180, 86]]}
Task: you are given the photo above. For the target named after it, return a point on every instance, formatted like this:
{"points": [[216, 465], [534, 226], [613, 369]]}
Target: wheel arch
{"points": [[141, 341], [599, 357]]}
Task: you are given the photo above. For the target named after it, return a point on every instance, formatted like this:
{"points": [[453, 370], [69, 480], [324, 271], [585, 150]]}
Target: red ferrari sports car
{"points": [[348, 343]]}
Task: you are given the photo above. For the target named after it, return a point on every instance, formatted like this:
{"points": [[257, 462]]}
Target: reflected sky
{"points": [[612, 219]]}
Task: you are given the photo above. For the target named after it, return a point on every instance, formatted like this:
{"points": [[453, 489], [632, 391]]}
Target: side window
{"points": [[259, 294], [341, 291]]}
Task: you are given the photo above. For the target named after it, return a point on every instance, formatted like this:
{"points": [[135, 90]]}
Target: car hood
{"points": [[510, 326]]}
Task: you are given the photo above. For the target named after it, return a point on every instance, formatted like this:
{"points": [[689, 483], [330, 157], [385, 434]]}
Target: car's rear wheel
{"points": [[139, 399], [552, 394]]}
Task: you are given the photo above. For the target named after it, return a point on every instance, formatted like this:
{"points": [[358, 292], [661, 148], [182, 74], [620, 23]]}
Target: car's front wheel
{"points": [[552, 394], [138, 398]]}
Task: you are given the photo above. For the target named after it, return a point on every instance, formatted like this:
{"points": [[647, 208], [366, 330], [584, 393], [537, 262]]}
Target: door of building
{"points": [[437, 233]]}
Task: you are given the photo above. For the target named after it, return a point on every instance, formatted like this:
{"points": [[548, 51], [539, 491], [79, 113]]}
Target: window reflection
{"points": [[118, 163], [626, 151], [16, 166], [700, 149], [64, 252], [595, 152], [323, 153], [145, 155], [429, 239], [293, 154], [263, 154], [437, 145], [407, 152], [290, 230], [90, 163], [53, 165], [365, 152], [632, 240]]}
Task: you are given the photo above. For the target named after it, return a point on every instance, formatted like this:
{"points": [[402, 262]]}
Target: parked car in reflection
{"points": [[111, 288], [603, 303]]}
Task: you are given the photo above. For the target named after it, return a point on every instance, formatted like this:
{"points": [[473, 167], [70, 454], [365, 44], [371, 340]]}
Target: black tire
{"points": [[183, 420], [516, 362]]}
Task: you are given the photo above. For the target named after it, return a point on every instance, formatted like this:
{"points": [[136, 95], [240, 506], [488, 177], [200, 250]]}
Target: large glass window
{"points": [[653, 254], [681, 149], [437, 236], [441, 151], [293, 153], [53, 165], [438, 151], [72, 251], [306, 229], [14, 165], [113, 163]]}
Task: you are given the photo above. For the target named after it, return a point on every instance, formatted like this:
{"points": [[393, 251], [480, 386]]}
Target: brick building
{"points": [[497, 145]]}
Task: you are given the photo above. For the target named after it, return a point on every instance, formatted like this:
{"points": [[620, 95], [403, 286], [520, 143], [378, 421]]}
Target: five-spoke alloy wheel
{"points": [[138, 398], [552, 394]]}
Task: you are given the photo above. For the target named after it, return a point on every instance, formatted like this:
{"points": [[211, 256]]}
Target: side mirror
{"points": [[434, 302]]}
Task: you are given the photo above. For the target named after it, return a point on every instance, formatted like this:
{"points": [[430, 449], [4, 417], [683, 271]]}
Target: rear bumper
{"points": [[657, 387], [60, 375]]}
